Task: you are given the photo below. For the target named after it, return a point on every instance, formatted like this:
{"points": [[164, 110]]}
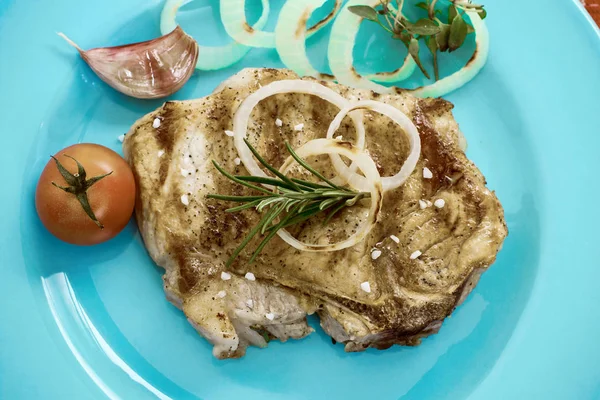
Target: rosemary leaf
{"points": [[292, 200], [269, 166], [308, 167]]}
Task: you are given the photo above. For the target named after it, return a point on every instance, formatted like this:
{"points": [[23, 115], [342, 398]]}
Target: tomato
{"points": [[111, 199]]}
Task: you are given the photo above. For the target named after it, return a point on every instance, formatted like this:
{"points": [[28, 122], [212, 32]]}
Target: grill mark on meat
{"points": [[436, 106], [164, 135], [438, 160]]}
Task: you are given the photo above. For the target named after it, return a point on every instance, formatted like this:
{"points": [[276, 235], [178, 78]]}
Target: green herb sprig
{"points": [[437, 35], [290, 202]]}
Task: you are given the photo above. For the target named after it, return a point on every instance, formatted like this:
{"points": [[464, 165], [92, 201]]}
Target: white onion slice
{"points": [[211, 57], [242, 115], [291, 33], [372, 180], [469, 71], [233, 16], [341, 43], [406, 70], [391, 182]]}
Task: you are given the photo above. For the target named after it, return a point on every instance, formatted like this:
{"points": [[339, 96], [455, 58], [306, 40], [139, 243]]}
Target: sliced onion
{"points": [[242, 115], [341, 43], [391, 182], [469, 71], [372, 181], [290, 35], [233, 15], [400, 74], [211, 57]]}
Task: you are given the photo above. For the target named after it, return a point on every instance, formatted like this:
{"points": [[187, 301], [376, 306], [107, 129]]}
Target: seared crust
{"points": [[409, 297]]}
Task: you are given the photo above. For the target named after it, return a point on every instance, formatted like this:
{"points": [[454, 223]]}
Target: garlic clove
{"points": [[146, 70]]}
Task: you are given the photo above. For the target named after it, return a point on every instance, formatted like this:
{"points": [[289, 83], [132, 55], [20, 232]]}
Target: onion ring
{"points": [[466, 73], [391, 182], [291, 32], [242, 115], [211, 57], [372, 177], [233, 16], [341, 61]]}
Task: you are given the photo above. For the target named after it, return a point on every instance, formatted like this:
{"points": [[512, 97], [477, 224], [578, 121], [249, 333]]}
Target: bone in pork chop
{"points": [[192, 237]]}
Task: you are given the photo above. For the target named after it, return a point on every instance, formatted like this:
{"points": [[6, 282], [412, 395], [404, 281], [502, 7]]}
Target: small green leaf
{"points": [[69, 177], [404, 37], [458, 33], [90, 182], [68, 189], [413, 49], [482, 13], [80, 170], [452, 13], [333, 212], [83, 200], [422, 5], [432, 45], [424, 27], [442, 37], [364, 11]]}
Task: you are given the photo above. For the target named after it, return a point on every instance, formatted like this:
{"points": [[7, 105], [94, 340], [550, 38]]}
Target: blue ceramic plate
{"points": [[81, 323]]}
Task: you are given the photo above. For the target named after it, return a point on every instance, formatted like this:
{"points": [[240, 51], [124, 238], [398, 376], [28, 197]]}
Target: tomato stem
{"points": [[78, 186]]}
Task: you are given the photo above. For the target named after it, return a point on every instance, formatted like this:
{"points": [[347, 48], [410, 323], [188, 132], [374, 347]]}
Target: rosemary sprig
{"points": [[290, 202], [437, 35]]}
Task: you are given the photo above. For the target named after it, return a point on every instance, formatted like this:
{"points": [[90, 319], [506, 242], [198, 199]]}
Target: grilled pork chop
{"points": [[192, 237]]}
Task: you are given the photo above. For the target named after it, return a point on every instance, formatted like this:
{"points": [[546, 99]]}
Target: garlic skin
{"points": [[146, 70]]}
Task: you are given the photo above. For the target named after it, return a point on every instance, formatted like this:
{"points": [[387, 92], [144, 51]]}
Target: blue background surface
{"points": [[93, 322]]}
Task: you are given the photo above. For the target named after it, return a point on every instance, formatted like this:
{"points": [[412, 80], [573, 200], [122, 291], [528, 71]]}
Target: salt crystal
{"points": [[250, 303], [121, 138], [229, 133], [415, 255], [270, 316], [156, 123], [222, 294], [366, 286], [278, 122], [184, 199], [250, 276], [225, 276], [299, 127], [160, 153], [375, 254], [237, 161], [439, 203], [395, 238], [427, 174]]}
